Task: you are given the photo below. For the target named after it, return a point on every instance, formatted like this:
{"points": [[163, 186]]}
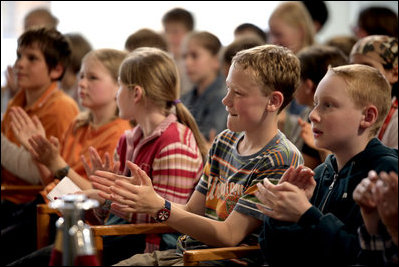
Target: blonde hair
{"points": [[297, 16], [111, 59], [156, 72], [366, 85], [276, 68]]}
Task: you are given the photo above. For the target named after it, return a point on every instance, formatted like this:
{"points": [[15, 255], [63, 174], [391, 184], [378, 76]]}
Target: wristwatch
{"points": [[164, 213], [61, 173]]}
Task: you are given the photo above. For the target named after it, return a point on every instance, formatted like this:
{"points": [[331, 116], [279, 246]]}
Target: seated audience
{"points": [[98, 127], [260, 83]]}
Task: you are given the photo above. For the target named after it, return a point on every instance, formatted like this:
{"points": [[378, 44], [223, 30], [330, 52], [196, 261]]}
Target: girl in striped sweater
{"points": [[165, 143]]}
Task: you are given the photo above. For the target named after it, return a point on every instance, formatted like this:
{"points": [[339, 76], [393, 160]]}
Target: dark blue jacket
{"points": [[326, 234]]}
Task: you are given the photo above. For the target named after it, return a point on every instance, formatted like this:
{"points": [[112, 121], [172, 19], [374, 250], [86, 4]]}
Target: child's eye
{"points": [[32, 58]]}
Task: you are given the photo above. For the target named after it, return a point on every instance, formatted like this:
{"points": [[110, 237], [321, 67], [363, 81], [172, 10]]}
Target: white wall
{"points": [[108, 23]]}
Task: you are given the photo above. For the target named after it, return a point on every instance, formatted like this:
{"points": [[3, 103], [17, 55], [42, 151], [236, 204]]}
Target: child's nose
{"points": [[314, 116], [82, 82], [226, 100]]}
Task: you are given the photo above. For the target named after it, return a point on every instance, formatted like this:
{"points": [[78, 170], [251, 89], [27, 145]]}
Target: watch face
{"points": [[163, 214]]}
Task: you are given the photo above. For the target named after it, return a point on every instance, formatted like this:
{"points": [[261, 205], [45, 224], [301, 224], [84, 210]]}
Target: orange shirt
{"points": [[56, 111], [104, 139]]}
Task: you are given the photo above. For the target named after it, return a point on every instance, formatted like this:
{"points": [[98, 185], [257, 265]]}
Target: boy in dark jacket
{"points": [[313, 222]]}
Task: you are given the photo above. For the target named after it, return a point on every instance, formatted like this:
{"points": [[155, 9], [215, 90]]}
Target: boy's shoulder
{"points": [[376, 156], [280, 150]]}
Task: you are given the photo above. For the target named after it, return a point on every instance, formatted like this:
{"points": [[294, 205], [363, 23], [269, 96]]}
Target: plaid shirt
{"points": [[382, 243]]}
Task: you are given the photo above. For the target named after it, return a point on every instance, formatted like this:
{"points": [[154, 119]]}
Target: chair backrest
{"points": [[8, 190]]}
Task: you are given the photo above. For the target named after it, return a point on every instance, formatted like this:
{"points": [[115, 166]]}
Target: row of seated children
{"points": [[99, 126], [354, 155]]}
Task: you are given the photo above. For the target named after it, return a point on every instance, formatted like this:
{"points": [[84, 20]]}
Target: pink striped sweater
{"points": [[170, 156]]}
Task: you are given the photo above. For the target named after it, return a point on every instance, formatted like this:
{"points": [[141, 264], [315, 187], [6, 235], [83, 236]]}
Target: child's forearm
{"points": [[60, 163], [212, 232], [19, 162]]}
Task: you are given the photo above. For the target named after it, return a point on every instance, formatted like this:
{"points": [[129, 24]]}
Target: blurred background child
{"points": [[201, 57]]}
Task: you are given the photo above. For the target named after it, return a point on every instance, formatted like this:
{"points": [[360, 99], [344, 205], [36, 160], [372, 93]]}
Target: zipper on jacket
{"points": [[329, 191]]}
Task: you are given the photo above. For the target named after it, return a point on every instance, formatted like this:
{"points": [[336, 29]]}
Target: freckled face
{"points": [[335, 118]]}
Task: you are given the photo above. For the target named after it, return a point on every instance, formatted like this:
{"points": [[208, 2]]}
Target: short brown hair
{"points": [[366, 85], [51, 43], [276, 68], [145, 38], [316, 59], [179, 15], [239, 44]]}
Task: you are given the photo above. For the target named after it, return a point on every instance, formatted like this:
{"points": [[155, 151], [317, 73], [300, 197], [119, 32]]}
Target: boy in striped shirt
{"points": [[222, 210]]}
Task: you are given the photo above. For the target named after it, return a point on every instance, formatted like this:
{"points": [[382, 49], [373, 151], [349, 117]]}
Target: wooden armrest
{"points": [[43, 212], [7, 190], [126, 229], [193, 257], [131, 229]]}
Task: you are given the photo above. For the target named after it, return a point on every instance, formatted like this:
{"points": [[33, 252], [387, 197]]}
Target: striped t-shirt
{"points": [[229, 179]]}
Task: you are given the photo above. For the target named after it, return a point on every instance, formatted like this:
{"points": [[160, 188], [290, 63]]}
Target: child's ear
{"points": [[137, 93], [310, 87], [370, 115], [275, 101], [56, 72]]}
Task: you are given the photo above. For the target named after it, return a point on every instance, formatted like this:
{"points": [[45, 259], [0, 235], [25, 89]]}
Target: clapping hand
{"points": [[129, 194], [97, 163], [302, 177], [25, 127]]}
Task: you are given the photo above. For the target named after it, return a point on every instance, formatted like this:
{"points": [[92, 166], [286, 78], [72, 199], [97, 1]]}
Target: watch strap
{"points": [[61, 173], [164, 213]]}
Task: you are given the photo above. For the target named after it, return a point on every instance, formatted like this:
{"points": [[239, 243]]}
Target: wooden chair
{"points": [[8, 190], [43, 225], [191, 258], [43, 213]]}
